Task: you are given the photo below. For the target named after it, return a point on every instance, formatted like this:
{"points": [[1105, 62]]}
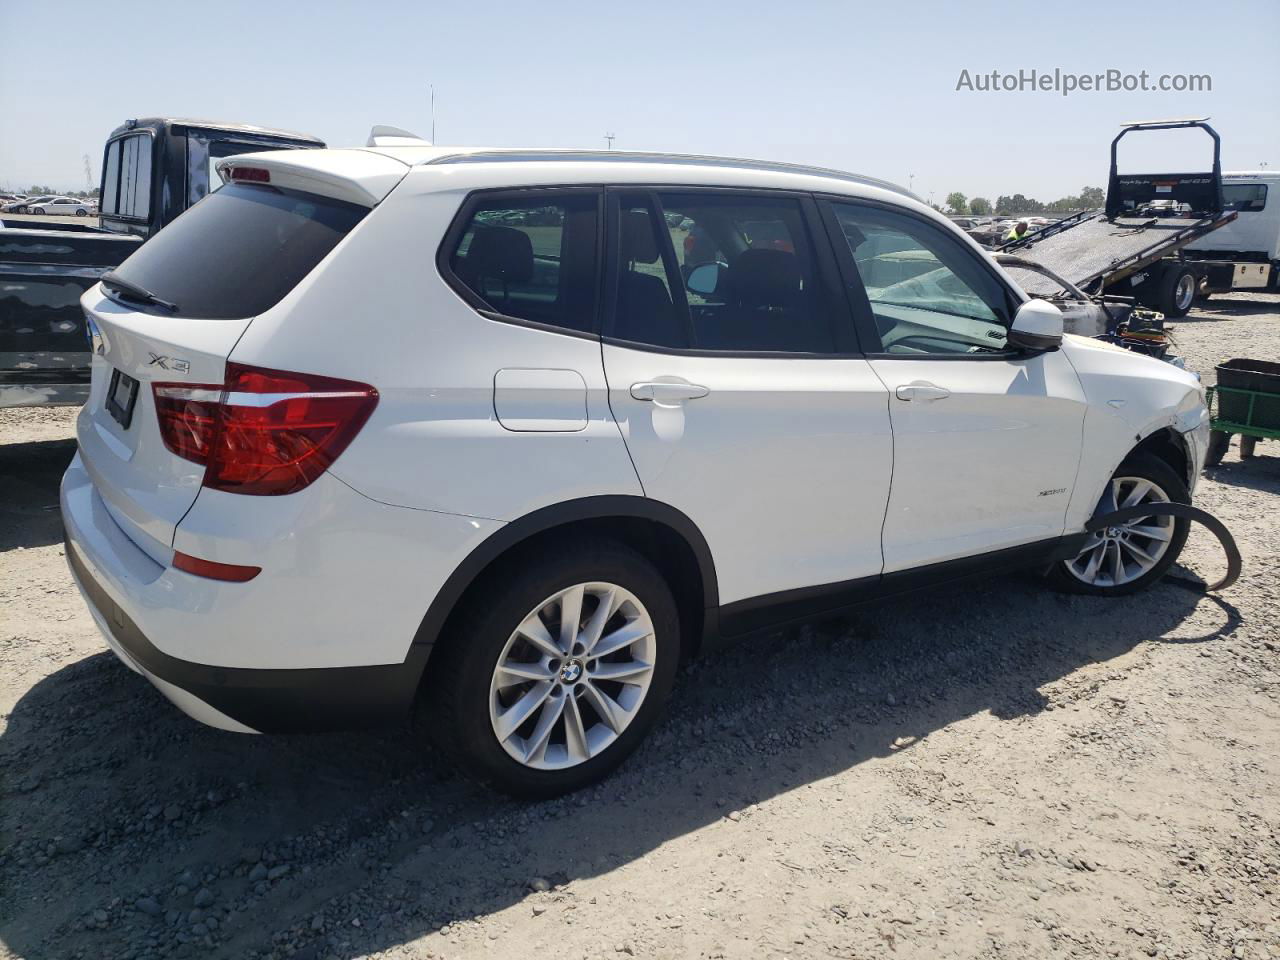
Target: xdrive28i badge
{"points": [[168, 363]]}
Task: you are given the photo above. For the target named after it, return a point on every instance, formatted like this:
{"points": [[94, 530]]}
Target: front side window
{"points": [[928, 294], [531, 257], [718, 272], [1245, 197]]}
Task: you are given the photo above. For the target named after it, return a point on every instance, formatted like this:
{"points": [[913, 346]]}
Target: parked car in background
{"points": [[62, 206], [466, 431], [22, 205], [152, 171]]}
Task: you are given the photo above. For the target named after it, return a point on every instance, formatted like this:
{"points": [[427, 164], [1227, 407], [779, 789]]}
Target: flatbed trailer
{"points": [[1124, 249]]}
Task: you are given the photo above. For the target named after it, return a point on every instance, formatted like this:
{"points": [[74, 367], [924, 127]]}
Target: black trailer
{"points": [[1134, 246]]}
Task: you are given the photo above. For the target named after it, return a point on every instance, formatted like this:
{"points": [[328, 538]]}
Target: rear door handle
{"points": [[667, 393], [922, 390]]}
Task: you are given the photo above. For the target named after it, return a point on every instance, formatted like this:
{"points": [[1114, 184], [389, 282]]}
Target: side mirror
{"points": [[1037, 326], [704, 279]]}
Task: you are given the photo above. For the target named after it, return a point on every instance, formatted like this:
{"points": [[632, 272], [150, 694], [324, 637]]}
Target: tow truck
{"points": [[1135, 246], [153, 169]]}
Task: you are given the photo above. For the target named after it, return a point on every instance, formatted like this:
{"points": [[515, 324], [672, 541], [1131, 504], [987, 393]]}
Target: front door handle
{"points": [[666, 393], [922, 390]]}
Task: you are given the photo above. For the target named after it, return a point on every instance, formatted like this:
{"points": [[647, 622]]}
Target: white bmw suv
{"points": [[501, 437]]}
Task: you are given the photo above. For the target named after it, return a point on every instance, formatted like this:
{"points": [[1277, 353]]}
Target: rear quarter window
{"points": [[236, 253], [529, 257]]}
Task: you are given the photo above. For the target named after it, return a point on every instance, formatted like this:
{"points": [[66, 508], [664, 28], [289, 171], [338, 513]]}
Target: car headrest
{"points": [[764, 278], [855, 236], [638, 243], [503, 253]]}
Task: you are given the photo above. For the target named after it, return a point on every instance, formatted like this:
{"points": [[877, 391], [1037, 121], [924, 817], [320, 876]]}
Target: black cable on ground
{"points": [[1214, 525]]}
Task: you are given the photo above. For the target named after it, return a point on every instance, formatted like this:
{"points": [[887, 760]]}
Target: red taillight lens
{"points": [[265, 432], [231, 572], [188, 417], [249, 174]]}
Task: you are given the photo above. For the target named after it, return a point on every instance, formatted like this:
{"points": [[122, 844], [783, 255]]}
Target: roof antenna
{"points": [[609, 138]]}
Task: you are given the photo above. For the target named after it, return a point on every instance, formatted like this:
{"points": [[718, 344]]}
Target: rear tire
{"points": [[1158, 539], [38, 211], [1177, 291], [82, 213], [536, 721]]}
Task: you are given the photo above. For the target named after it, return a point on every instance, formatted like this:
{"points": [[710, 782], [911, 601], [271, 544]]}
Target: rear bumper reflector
{"points": [[231, 572]]}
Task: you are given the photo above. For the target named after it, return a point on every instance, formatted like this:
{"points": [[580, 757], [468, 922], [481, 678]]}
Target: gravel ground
{"points": [[997, 771]]}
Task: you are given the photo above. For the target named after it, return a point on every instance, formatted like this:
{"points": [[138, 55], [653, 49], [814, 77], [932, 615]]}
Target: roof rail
{"points": [[623, 156]]}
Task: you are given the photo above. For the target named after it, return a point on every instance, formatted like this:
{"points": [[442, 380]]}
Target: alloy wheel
{"points": [[1185, 293], [1120, 554], [572, 676]]}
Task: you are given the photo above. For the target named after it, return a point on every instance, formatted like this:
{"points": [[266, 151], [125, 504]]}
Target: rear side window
{"points": [[719, 272], [126, 180], [530, 257], [236, 253]]}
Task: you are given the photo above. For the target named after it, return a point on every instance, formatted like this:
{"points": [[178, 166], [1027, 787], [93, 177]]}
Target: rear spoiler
{"points": [[1202, 192], [356, 176]]}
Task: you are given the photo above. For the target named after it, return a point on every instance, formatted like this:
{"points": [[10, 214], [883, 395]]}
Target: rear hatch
{"points": [[165, 322]]}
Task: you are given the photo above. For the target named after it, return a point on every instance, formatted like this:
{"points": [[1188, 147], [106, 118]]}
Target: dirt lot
{"points": [[998, 771]]}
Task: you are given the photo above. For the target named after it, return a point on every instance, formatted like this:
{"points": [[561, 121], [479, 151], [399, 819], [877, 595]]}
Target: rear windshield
{"points": [[238, 251]]}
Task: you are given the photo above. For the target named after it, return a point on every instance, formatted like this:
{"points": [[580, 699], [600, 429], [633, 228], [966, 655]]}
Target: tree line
{"points": [[1089, 198], [35, 191]]}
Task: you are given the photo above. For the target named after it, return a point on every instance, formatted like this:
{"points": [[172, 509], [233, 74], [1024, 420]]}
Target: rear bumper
{"points": [[153, 616], [255, 701]]}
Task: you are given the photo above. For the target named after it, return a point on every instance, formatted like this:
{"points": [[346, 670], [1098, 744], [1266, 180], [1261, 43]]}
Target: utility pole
{"points": [[609, 138], [88, 175], [433, 113], [911, 181]]}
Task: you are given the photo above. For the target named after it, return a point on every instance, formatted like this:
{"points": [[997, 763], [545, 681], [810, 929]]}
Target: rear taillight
{"points": [[263, 432]]}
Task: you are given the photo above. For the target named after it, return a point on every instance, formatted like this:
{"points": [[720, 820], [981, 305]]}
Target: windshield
{"points": [[237, 252]]}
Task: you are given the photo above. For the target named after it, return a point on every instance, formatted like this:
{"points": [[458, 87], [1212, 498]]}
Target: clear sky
{"points": [[865, 86]]}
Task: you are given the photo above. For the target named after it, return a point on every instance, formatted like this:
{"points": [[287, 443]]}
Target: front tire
{"points": [[1130, 556], [558, 665]]}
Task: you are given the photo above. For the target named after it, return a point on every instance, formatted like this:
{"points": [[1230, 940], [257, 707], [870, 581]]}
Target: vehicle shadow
{"points": [[1260, 472], [1219, 309], [117, 809], [29, 478]]}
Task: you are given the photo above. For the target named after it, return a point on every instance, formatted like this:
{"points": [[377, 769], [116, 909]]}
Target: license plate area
{"points": [[122, 396]]}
